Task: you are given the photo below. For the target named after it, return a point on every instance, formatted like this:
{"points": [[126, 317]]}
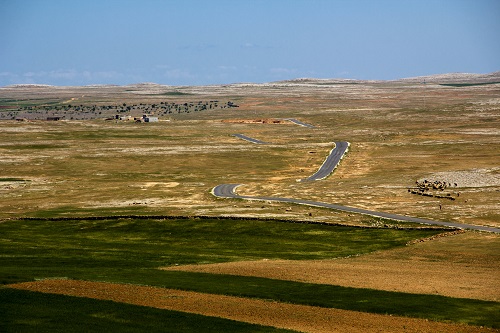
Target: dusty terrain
{"points": [[297, 317], [256, 121], [400, 133]]}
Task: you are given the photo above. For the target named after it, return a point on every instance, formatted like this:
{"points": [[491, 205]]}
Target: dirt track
{"points": [[297, 317]]}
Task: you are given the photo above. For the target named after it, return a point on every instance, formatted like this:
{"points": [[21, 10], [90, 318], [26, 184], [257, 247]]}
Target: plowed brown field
{"points": [[297, 317]]}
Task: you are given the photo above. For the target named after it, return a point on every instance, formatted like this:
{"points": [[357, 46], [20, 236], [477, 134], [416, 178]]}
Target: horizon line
{"points": [[447, 76]]}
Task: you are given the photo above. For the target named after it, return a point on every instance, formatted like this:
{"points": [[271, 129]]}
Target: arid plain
{"points": [[445, 130]]}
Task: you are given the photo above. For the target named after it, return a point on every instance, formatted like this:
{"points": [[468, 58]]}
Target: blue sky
{"points": [[196, 42]]}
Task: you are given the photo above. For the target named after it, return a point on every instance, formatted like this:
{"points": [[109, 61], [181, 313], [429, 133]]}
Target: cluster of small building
{"points": [[144, 119]]}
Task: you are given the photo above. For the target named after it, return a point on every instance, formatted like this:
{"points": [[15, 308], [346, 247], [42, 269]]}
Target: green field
{"points": [[131, 251], [88, 249]]}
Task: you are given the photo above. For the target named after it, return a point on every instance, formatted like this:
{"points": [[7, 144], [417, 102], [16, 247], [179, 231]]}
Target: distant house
{"points": [[149, 119]]}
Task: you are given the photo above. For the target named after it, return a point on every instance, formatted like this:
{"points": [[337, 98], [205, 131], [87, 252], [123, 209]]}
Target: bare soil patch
{"points": [[442, 266], [281, 315], [256, 121], [468, 178]]}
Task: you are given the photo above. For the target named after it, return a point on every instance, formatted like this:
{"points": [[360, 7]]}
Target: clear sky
{"points": [[197, 42]]}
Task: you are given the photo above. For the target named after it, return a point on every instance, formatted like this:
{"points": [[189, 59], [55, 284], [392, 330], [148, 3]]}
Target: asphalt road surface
{"points": [[229, 191], [298, 122], [252, 140], [331, 161]]}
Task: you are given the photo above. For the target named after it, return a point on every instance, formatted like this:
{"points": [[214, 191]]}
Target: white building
{"points": [[149, 119]]}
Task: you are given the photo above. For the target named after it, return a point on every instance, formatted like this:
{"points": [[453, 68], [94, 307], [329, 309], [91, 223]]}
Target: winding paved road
{"points": [[229, 191], [331, 161]]}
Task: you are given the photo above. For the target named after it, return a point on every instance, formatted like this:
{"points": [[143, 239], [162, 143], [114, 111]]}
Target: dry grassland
{"points": [[399, 133]]}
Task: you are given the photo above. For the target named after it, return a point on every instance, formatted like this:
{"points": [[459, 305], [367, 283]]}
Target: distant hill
{"points": [[29, 85], [448, 78], [145, 85], [313, 81], [452, 79], [456, 78]]}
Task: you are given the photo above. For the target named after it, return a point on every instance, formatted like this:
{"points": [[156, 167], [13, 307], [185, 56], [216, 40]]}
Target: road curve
{"points": [[229, 191], [331, 162]]}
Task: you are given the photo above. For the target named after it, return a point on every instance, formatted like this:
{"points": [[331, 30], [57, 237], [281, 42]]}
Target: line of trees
{"points": [[82, 111]]}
